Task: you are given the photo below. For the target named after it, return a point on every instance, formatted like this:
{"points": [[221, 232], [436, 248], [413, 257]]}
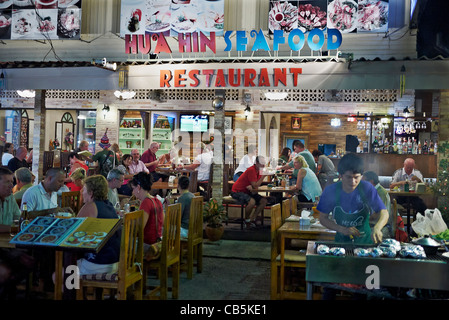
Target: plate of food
{"points": [[283, 16], [158, 18], [342, 15], [26, 237], [5, 24], [211, 21], [36, 229], [23, 23], [185, 20], [48, 239], [42, 221], [79, 234], [58, 230], [22, 3], [372, 16], [311, 17], [66, 222], [5, 3]]}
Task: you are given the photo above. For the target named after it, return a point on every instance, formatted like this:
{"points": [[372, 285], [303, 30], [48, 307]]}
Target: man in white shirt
{"points": [[202, 162], [7, 155], [246, 161], [411, 175], [115, 180], [44, 196]]}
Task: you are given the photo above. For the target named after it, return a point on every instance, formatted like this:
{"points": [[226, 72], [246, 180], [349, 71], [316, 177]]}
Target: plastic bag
{"points": [[431, 223]]}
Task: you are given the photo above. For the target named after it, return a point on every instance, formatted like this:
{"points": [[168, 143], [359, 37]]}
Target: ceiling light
{"points": [[103, 63], [26, 93], [275, 95], [124, 95], [336, 122]]}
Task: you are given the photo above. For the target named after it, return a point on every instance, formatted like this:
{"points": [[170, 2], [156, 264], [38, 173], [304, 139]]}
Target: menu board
{"points": [[87, 233], [40, 19], [345, 15], [171, 17]]}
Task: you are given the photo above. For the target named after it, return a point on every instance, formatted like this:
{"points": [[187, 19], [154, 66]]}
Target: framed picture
{"points": [[289, 138], [296, 123]]}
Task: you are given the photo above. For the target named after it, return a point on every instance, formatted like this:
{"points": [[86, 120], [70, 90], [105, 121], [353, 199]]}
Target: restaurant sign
{"points": [[199, 42], [235, 76]]}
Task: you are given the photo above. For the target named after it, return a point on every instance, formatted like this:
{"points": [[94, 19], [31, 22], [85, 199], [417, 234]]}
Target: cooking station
{"points": [[429, 273]]}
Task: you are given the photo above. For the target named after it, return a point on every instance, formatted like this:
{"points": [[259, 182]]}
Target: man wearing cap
{"points": [[106, 158]]}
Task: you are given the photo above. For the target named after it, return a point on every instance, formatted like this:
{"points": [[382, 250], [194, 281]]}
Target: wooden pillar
{"points": [[39, 135], [217, 178]]}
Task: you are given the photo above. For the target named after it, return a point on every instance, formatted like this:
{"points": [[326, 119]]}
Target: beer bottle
{"points": [[23, 222]]}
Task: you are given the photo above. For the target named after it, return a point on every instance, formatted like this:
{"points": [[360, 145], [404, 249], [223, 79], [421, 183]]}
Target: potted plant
{"points": [[214, 214]]}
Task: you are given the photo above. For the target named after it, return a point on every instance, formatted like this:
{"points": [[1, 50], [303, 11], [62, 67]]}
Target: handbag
{"points": [[154, 250]]}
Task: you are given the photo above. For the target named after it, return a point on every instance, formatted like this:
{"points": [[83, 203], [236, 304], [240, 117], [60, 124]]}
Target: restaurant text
{"points": [[247, 77], [199, 42]]}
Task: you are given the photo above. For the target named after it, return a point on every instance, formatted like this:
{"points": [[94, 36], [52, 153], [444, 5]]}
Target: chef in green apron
{"points": [[346, 206]]}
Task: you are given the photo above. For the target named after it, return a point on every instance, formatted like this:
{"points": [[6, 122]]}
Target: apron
{"points": [[358, 219]]}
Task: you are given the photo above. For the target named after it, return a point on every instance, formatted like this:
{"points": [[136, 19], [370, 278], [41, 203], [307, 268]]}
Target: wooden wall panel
{"points": [[318, 128]]}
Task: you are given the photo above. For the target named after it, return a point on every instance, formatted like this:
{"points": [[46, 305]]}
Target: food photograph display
{"points": [[171, 17], [40, 19], [345, 15], [86, 233]]}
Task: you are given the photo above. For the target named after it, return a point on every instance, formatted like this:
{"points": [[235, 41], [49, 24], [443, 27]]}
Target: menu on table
{"points": [[85, 233]]}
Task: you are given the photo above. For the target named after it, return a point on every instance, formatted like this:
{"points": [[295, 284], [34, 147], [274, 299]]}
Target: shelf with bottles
{"points": [[404, 145]]}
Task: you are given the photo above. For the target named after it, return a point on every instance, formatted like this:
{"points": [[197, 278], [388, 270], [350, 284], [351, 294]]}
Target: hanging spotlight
{"points": [[103, 63], [26, 93]]}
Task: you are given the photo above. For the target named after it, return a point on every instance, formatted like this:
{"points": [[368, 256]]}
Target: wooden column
{"points": [[217, 178], [39, 135]]}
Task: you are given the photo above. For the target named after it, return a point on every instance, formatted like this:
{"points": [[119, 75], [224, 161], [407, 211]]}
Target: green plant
{"points": [[441, 186], [214, 213]]}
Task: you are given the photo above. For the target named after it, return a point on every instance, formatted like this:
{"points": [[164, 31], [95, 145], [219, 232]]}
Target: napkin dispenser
{"points": [[420, 187]]}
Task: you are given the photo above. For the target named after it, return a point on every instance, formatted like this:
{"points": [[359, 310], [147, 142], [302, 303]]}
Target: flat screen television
{"points": [[193, 122], [327, 149]]}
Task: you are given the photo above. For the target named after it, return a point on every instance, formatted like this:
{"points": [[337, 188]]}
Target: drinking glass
{"points": [[14, 228]]}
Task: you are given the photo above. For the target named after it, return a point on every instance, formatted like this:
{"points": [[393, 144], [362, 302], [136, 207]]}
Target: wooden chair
{"points": [[281, 259], [286, 209], [49, 157], [294, 203], [192, 246], [170, 255], [71, 199], [130, 263], [193, 184], [207, 185], [227, 200]]}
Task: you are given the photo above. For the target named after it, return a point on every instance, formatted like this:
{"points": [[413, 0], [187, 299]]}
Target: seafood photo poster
{"points": [[171, 17], [345, 15], [41, 19], [305, 15]]}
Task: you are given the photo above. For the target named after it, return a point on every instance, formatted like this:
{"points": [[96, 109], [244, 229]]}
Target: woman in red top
{"points": [[75, 163], [154, 217]]}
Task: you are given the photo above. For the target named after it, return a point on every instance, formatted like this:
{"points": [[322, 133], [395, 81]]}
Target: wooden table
{"points": [[163, 185], [4, 241], [293, 230], [278, 191], [409, 195]]}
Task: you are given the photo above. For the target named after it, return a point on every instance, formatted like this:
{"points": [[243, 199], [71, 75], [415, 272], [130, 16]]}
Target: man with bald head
{"points": [[19, 160], [412, 175]]}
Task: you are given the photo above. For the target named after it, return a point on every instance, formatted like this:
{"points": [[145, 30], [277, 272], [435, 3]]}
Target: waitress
{"points": [[351, 201]]}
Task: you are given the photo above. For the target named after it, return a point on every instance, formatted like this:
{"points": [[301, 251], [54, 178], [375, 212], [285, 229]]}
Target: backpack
{"points": [[107, 164]]}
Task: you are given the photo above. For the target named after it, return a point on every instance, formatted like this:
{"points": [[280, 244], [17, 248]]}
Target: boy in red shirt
{"points": [[242, 191]]}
